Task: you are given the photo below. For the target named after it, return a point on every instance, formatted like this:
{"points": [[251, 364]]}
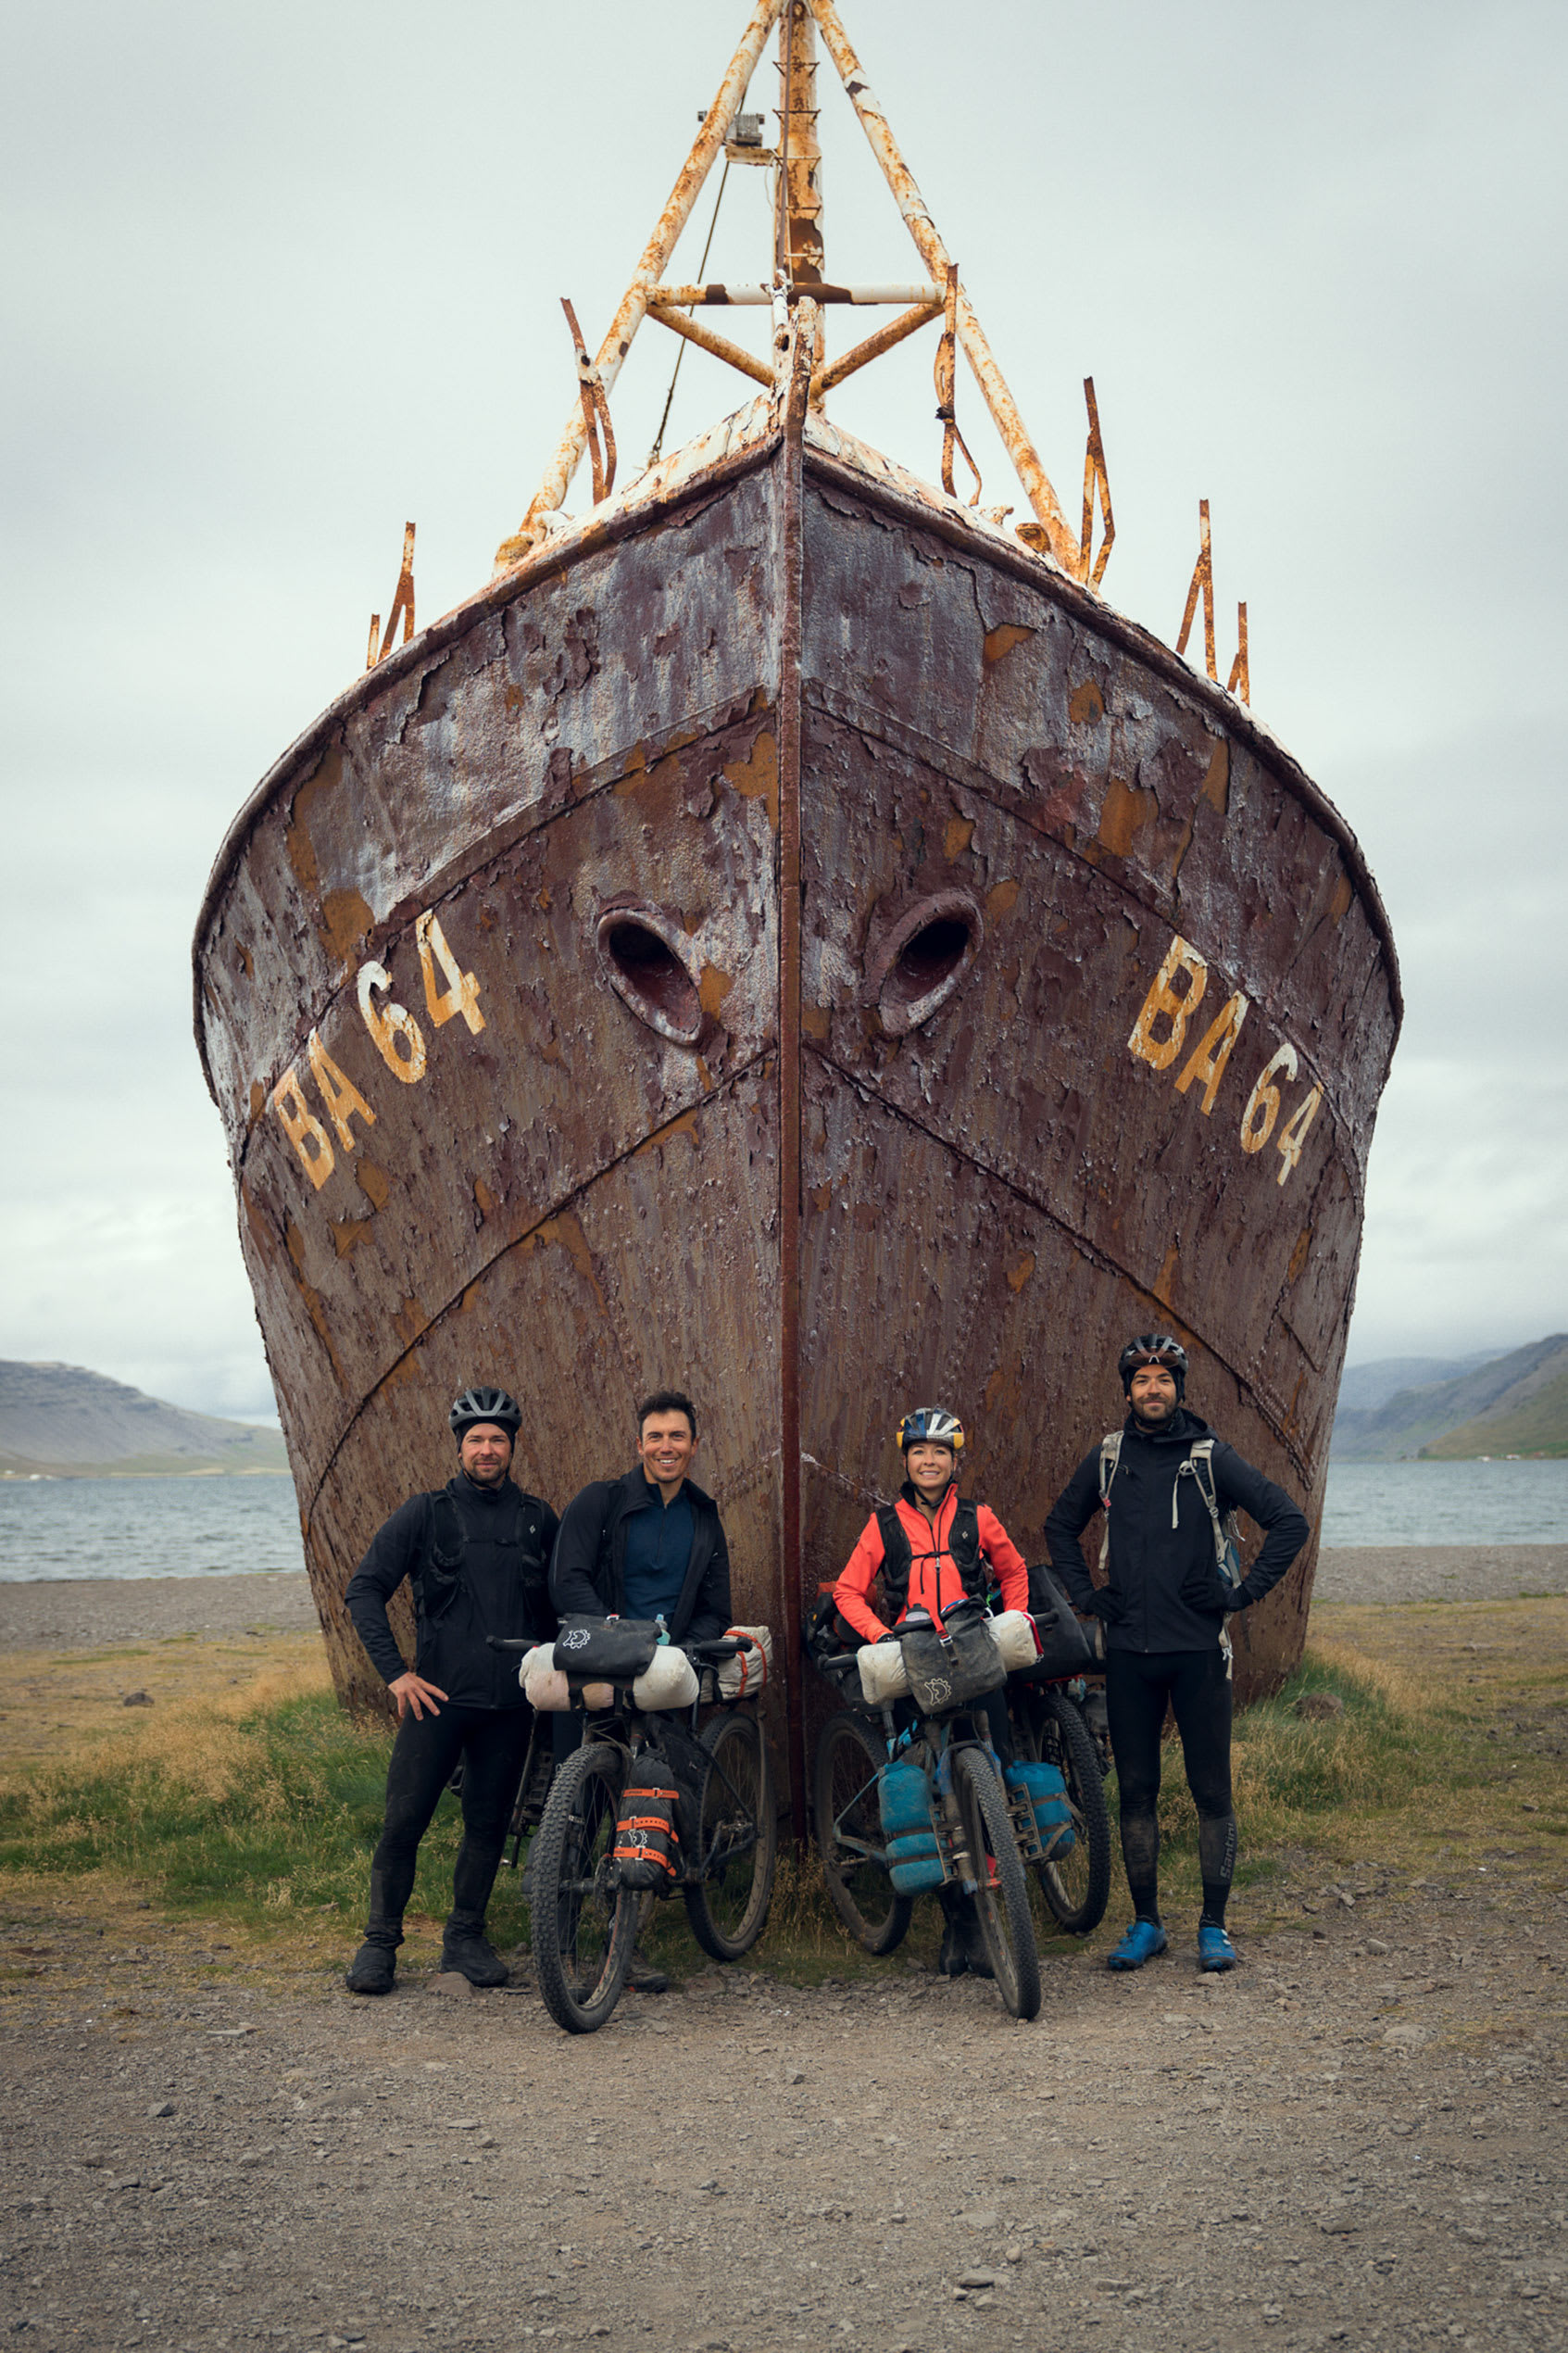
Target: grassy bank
{"points": [[255, 1806]]}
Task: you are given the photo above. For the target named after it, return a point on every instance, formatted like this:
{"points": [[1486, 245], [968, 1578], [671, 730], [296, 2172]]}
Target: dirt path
{"points": [[1359, 2138]]}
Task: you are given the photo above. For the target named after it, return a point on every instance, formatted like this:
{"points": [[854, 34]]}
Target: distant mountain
{"points": [[68, 1423], [1531, 1420], [1415, 1420], [1365, 1387]]}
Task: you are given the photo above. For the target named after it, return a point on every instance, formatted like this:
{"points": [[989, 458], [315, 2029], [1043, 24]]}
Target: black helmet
{"points": [[481, 1405], [1153, 1348]]}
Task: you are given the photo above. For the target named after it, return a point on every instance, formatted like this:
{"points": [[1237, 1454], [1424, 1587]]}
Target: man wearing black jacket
{"points": [[477, 1553], [1164, 1609], [650, 1544]]}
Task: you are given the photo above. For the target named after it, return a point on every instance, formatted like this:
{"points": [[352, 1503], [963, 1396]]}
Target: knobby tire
{"points": [[738, 1832], [584, 1923], [844, 1783], [1003, 1907], [1077, 1886]]}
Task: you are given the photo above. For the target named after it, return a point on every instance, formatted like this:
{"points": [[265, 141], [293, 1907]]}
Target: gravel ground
{"points": [[1358, 2139], [90, 1612], [1441, 1572], [87, 1612]]}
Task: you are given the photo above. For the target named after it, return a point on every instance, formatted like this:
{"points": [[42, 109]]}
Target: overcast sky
{"points": [[280, 277]]}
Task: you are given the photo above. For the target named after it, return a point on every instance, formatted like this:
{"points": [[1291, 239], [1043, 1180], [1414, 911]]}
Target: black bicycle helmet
{"points": [[930, 1426], [1153, 1348], [481, 1405]]}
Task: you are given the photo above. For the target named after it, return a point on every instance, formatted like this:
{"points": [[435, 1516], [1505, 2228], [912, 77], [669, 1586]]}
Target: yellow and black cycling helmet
{"points": [[930, 1426]]}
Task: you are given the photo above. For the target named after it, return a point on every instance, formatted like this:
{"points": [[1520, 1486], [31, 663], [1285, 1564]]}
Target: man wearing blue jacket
{"points": [[1164, 1608]]}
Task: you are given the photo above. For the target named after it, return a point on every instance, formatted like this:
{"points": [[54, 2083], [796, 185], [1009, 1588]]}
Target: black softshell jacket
{"points": [[587, 1574], [478, 1558], [1161, 1572]]}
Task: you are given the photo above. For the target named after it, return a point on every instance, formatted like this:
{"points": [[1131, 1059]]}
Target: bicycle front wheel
{"points": [[584, 1922], [737, 1839], [847, 1815], [1002, 1896], [1076, 1884]]}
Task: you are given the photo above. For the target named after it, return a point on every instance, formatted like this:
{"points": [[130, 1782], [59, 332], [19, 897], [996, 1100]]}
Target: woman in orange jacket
{"points": [[933, 1548]]}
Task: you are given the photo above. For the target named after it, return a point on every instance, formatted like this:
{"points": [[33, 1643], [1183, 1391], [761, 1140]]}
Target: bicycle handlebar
{"points": [[728, 1646]]}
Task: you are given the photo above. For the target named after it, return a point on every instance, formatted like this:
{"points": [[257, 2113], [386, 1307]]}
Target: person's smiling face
{"points": [[485, 1453], [929, 1469], [1153, 1393], [665, 1449]]}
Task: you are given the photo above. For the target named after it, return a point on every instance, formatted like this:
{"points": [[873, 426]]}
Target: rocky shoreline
{"points": [[68, 1614]]}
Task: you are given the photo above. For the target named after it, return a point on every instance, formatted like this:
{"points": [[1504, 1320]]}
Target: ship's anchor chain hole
{"points": [[922, 963], [647, 974]]}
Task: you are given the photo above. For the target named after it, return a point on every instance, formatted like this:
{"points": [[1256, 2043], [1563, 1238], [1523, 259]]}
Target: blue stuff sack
{"points": [[914, 1860], [904, 1794], [1046, 1791]]}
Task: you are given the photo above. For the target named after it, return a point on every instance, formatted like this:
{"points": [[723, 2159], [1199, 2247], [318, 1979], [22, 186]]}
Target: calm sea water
{"points": [[1447, 1504], [233, 1527], [147, 1527]]}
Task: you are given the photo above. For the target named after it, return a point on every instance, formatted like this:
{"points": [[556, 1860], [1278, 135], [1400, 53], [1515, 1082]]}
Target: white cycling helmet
{"points": [[930, 1426]]}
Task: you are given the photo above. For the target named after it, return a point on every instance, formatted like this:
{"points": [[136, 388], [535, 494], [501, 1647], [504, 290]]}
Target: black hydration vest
{"points": [[898, 1555], [439, 1575]]}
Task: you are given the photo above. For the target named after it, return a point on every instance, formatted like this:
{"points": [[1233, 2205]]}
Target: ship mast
{"points": [[801, 257], [798, 274]]}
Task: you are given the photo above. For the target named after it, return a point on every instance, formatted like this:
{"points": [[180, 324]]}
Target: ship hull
{"points": [[791, 943]]}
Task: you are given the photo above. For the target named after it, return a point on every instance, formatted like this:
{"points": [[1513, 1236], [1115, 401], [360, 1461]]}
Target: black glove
{"points": [[1105, 1605], [1207, 1592]]}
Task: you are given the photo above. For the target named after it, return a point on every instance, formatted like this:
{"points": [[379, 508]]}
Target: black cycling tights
{"points": [[1137, 1686], [493, 1743]]}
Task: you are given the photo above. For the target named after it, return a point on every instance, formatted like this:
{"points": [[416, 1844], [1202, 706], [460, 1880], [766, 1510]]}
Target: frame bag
{"points": [[648, 1844]]}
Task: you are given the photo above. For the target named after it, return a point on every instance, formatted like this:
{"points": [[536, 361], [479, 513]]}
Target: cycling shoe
{"points": [[1143, 1939], [1215, 1950], [372, 1969], [465, 1953]]}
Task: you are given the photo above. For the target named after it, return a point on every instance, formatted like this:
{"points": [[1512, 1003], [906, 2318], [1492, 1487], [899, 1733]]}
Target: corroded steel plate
{"points": [[1094, 1001]]}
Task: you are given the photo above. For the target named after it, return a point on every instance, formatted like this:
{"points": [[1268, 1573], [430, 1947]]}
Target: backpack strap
{"points": [[898, 1555], [963, 1542], [1109, 1455], [1227, 1536]]}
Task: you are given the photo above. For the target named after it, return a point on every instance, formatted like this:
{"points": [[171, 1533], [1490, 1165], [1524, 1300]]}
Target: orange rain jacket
{"points": [[934, 1581]]}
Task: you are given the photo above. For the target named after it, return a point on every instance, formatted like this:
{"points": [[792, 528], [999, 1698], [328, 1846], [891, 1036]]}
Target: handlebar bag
{"points": [[647, 1844], [543, 1686], [949, 1669], [746, 1674], [667, 1680], [615, 1650], [884, 1676]]}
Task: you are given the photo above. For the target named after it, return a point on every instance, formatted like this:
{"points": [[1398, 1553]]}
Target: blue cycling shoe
{"points": [[1143, 1939], [1215, 1950]]}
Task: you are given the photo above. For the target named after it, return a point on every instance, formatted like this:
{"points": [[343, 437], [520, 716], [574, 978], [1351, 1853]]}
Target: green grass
{"points": [[261, 1809], [252, 1816]]}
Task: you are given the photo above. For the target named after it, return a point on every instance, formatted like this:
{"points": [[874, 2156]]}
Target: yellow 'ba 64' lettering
{"points": [[397, 1037], [1160, 1032]]}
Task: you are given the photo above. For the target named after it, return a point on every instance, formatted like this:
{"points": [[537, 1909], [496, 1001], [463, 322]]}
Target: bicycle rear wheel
{"points": [[1076, 1884], [847, 1816], [738, 1839], [1002, 1896], [584, 1922]]}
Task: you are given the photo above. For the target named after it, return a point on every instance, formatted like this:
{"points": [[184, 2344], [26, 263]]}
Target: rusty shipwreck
{"points": [[787, 934]]}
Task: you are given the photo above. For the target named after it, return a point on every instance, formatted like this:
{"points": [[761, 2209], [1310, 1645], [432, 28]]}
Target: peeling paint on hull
{"points": [[1035, 849]]}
